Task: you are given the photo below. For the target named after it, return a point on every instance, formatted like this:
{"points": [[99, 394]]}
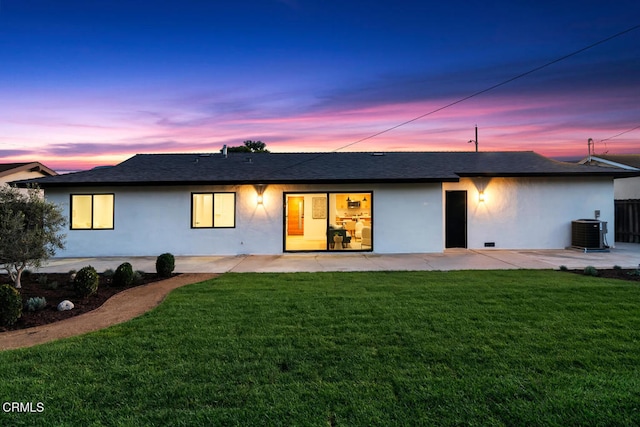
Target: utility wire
{"points": [[475, 94], [606, 149], [620, 134]]}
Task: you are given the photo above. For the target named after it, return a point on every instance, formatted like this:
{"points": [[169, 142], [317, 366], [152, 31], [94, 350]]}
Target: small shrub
{"points": [[72, 275], [563, 268], [108, 273], [635, 272], [591, 271], [165, 264], [138, 277], [36, 303], [43, 281], [123, 275], [86, 281], [10, 305], [617, 267]]}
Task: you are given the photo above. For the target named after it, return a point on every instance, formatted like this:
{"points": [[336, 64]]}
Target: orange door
{"points": [[295, 215]]}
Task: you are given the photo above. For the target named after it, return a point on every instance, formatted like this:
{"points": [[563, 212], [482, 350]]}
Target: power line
{"points": [[473, 95], [606, 149], [620, 134]]}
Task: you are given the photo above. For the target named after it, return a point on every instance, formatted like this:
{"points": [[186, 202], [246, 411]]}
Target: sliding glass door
{"points": [[328, 221]]}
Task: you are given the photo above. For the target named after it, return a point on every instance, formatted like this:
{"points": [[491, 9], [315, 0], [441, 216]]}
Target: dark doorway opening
{"points": [[455, 219]]}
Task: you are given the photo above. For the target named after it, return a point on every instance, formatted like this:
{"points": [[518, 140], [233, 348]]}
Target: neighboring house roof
{"points": [[622, 161], [8, 169], [350, 167]]}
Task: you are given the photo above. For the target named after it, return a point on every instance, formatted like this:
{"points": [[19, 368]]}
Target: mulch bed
{"points": [[57, 287], [618, 273]]}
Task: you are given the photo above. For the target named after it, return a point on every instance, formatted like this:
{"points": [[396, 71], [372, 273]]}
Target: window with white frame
{"points": [[213, 210], [92, 211]]}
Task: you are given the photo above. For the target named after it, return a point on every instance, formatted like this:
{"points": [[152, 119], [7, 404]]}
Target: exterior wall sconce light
{"points": [[260, 195], [481, 196]]}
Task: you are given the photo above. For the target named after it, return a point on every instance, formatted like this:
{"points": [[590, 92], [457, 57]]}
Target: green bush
{"points": [[590, 271], [86, 281], [138, 277], [10, 305], [123, 275], [36, 303], [165, 264], [635, 272]]}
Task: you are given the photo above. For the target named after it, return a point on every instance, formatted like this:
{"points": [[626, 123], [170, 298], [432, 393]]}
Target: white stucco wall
{"points": [[533, 213], [407, 218], [627, 188], [153, 220]]}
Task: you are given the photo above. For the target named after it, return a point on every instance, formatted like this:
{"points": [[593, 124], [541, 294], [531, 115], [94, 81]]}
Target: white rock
{"points": [[65, 305]]}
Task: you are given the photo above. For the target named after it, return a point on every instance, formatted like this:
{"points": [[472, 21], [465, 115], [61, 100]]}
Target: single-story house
{"points": [[19, 171], [626, 192], [624, 188], [383, 202]]}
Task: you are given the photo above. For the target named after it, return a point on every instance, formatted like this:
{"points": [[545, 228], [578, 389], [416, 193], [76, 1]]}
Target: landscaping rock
{"points": [[65, 305]]}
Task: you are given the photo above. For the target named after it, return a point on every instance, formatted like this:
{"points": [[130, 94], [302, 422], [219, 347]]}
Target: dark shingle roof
{"points": [[265, 168]]}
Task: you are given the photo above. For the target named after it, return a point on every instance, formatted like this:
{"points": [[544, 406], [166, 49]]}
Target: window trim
{"points": [[213, 203], [113, 211]]}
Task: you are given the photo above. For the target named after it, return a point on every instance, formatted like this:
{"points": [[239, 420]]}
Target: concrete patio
{"points": [[625, 255]]}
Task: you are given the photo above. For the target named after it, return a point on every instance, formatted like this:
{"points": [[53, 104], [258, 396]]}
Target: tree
{"points": [[249, 147], [29, 230]]}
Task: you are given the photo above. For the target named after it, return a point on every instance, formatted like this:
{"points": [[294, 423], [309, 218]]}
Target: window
{"points": [[213, 210], [323, 221], [92, 211]]}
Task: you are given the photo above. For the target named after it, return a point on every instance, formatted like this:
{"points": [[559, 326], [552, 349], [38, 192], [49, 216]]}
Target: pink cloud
{"points": [[80, 138]]}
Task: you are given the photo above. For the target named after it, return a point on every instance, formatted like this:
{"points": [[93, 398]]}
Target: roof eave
{"points": [[604, 174], [240, 182], [30, 167]]}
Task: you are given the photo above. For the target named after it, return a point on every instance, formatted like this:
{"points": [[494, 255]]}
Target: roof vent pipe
{"points": [[224, 151]]}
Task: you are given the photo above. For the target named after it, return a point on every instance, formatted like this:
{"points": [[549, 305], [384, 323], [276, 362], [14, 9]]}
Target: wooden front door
{"points": [[295, 216]]}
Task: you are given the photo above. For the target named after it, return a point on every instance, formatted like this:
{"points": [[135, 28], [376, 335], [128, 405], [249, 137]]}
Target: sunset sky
{"points": [[86, 83]]}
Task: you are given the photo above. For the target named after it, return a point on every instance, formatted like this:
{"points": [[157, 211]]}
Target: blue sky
{"points": [[91, 83]]}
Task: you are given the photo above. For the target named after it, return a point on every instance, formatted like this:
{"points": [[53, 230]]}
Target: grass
{"points": [[345, 349]]}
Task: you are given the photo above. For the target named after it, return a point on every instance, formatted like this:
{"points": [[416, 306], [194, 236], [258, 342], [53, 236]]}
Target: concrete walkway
{"points": [[626, 255], [119, 308]]}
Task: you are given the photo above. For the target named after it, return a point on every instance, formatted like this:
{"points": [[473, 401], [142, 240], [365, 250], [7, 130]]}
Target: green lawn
{"points": [[345, 349]]}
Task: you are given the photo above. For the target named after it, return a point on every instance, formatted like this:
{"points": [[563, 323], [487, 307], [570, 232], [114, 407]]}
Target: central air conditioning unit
{"points": [[588, 234]]}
